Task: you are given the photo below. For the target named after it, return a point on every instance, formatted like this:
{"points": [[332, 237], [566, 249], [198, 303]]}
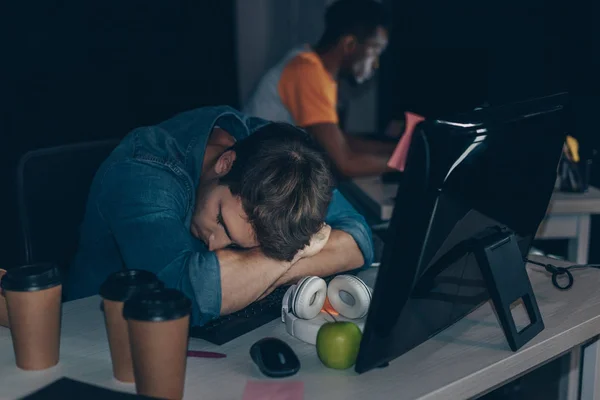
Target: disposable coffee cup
{"points": [[158, 323], [33, 300], [3, 310], [117, 288]]}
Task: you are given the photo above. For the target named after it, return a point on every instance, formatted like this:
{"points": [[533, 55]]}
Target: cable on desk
{"points": [[559, 271]]}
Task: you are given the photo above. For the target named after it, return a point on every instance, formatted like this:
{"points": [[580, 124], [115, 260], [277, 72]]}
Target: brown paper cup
{"points": [[3, 310], [34, 319], [159, 353], [118, 341], [115, 290]]}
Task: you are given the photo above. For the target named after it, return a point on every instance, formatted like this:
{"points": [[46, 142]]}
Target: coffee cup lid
{"points": [[31, 278], [157, 305], [121, 285]]}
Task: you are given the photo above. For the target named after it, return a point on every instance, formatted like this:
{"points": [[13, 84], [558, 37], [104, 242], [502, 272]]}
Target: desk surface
{"points": [[575, 203], [468, 359], [376, 199]]}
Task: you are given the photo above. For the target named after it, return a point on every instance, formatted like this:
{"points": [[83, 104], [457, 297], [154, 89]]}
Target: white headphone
{"points": [[302, 304]]}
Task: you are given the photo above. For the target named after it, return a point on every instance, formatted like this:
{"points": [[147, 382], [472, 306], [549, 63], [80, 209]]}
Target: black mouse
{"points": [[274, 358]]}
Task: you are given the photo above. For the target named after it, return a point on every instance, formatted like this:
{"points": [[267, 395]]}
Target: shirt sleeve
{"points": [[308, 94], [147, 220], [342, 216]]}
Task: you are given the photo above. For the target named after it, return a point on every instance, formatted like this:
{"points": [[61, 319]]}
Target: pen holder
{"points": [[574, 177]]}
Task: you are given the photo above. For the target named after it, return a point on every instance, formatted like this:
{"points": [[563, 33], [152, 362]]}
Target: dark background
{"points": [[450, 56], [75, 71]]}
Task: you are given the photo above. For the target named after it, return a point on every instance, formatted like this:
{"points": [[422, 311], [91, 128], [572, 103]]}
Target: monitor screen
{"points": [[488, 170]]}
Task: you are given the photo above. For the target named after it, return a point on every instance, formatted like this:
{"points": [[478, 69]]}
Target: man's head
{"points": [[357, 31], [271, 190]]}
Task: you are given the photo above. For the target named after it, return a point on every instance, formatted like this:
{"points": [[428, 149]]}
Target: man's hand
{"points": [[248, 275], [317, 242], [372, 146], [348, 162], [340, 254]]}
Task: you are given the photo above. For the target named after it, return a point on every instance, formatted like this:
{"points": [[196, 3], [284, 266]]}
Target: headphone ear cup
{"points": [[309, 297], [349, 295]]}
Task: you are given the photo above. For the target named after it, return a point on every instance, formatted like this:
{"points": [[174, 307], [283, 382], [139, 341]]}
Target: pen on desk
{"points": [[205, 354]]}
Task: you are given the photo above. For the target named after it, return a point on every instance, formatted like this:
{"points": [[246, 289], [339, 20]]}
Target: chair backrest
{"points": [[52, 190]]}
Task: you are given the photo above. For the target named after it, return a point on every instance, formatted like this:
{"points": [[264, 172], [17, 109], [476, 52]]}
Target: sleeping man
{"points": [[221, 206]]}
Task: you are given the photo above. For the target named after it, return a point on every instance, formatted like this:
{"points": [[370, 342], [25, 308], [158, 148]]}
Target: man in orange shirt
{"points": [[302, 88]]}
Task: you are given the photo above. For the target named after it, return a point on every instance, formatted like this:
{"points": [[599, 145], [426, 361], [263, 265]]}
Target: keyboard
{"points": [[229, 327]]}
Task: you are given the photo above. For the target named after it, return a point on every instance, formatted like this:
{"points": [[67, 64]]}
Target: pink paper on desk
{"points": [[398, 159], [268, 390]]}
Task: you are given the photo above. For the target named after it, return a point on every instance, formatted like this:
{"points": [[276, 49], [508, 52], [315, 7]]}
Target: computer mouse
{"points": [[274, 358]]}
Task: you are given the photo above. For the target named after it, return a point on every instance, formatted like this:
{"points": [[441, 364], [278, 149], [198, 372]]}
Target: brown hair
{"points": [[285, 183]]}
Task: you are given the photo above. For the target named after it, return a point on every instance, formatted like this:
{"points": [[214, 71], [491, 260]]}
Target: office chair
{"points": [[52, 190]]}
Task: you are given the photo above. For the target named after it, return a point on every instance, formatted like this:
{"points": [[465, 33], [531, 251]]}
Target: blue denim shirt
{"points": [[141, 203]]}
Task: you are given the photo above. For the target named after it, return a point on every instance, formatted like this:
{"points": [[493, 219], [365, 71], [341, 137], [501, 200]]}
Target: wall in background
{"points": [[267, 29], [80, 70]]}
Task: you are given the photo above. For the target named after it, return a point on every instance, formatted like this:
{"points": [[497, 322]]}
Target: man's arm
{"points": [[349, 162], [373, 146], [340, 254], [145, 207], [310, 97], [350, 246], [3, 309], [245, 275]]}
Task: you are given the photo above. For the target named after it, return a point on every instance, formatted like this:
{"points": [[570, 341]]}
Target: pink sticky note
{"points": [[398, 158], [269, 390]]}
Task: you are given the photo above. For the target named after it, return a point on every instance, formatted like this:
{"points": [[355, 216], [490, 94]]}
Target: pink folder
{"points": [[398, 159]]}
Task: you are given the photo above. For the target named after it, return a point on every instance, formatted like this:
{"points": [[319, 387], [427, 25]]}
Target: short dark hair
{"points": [[285, 182], [360, 18]]}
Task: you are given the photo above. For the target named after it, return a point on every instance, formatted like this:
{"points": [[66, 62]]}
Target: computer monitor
{"points": [[476, 174]]}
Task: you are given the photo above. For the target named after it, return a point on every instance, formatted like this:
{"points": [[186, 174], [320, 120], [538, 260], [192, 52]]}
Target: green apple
{"points": [[338, 343]]}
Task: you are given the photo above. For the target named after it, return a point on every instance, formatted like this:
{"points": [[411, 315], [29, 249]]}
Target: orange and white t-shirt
{"points": [[298, 90]]}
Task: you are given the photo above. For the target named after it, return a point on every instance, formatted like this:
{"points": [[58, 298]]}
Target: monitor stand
{"points": [[503, 269]]}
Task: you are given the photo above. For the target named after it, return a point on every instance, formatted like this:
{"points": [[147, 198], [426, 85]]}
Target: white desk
{"points": [[465, 361], [568, 215]]}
